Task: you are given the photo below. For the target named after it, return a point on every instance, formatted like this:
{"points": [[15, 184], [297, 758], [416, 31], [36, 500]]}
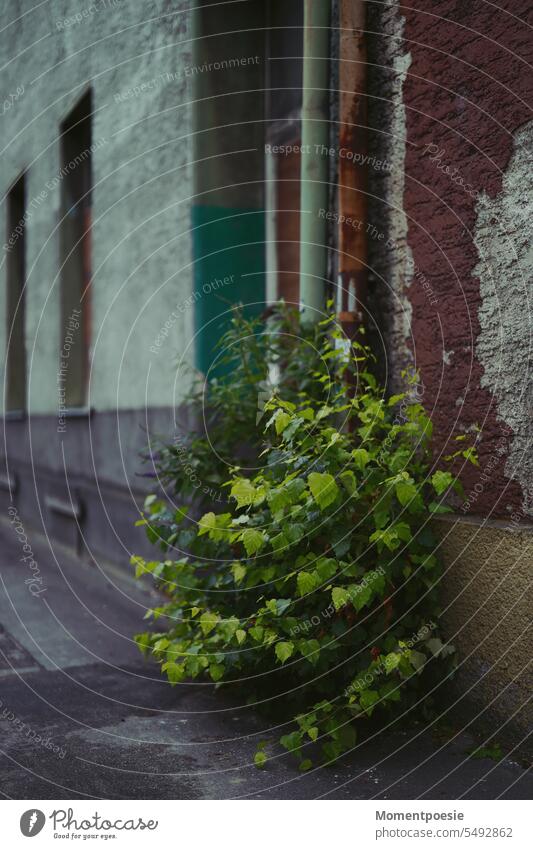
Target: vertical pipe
{"points": [[352, 240], [314, 159]]}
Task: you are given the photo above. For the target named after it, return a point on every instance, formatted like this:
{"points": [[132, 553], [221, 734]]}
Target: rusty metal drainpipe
{"points": [[352, 240]]}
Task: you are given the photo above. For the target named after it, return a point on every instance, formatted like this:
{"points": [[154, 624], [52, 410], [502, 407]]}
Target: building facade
{"points": [[162, 161]]}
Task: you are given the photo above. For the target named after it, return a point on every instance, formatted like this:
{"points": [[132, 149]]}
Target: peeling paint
{"points": [[388, 259], [504, 236]]}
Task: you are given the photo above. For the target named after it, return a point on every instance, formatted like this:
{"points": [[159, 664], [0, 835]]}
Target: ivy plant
{"points": [[315, 588]]}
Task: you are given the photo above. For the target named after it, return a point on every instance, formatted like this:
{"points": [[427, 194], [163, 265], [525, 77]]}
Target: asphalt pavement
{"points": [[83, 715]]}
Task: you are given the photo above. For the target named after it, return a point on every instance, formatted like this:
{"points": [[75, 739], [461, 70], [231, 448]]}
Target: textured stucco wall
{"points": [[451, 295], [450, 283], [486, 602], [504, 238], [142, 180], [466, 98]]}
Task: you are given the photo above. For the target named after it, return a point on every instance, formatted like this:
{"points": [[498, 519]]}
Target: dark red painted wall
{"points": [[463, 94]]}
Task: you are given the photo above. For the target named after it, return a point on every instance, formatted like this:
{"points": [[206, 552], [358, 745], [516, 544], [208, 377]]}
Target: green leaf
{"points": [[260, 759], [180, 514], [313, 733], [278, 499], [280, 419], [243, 519], [238, 571], [284, 650], [208, 621], [348, 481], [441, 481], [306, 583], [140, 565], [257, 633], [294, 489], [269, 637], [362, 596], [278, 606], [216, 671], [325, 569], [246, 494], [394, 399], [339, 597], [142, 641], [294, 532], [293, 741], [360, 457], [323, 412], [207, 523], [310, 649], [279, 543], [368, 699], [403, 531], [323, 488], [470, 454], [387, 537], [175, 671], [405, 492], [305, 765], [391, 661], [253, 540], [241, 636]]}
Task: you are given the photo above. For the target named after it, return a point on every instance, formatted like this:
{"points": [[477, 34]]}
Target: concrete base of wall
{"points": [[83, 487], [486, 604]]}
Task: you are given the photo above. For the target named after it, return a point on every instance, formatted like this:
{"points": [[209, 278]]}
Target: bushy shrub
{"points": [[220, 415], [316, 590]]}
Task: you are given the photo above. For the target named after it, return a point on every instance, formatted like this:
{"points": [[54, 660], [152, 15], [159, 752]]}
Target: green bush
{"points": [[221, 415], [316, 590]]}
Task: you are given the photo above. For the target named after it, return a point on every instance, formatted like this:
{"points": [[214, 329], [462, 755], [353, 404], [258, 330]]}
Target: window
{"points": [[75, 247], [16, 278]]}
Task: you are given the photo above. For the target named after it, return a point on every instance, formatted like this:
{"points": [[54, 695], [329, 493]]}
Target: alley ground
{"points": [[70, 673]]}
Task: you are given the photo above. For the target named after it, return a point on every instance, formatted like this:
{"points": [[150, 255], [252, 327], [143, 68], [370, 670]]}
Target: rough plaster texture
{"points": [[504, 239], [439, 82], [466, 94], [389, 305], [486, 602], [142, 179]]}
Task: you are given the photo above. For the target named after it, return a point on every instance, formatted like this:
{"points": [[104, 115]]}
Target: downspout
{"points": [[314, 160], [195, 30], [352, 240]]}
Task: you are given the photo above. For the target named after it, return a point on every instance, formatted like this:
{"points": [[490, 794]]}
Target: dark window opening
{"points": [[16, 278], [75, 247]]}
